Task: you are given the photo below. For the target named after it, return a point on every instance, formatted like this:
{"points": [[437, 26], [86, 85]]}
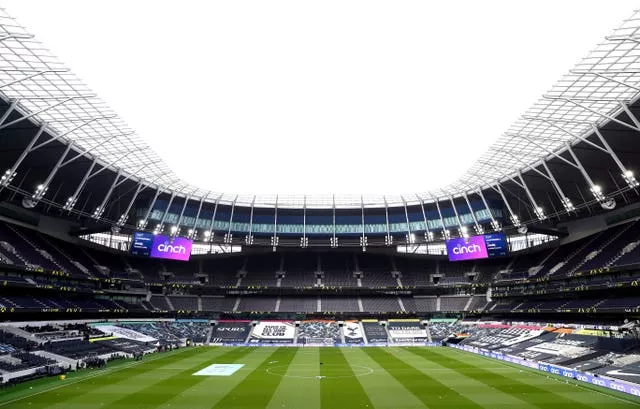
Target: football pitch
{"points": [[312, 378]]}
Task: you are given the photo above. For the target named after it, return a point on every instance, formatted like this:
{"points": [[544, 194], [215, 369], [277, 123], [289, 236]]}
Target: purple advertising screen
{"points": [[158, 246], [177, 248], [466, 249]]}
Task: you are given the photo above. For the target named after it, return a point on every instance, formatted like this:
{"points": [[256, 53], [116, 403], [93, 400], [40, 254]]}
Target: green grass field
{"points": [[313, 378]]}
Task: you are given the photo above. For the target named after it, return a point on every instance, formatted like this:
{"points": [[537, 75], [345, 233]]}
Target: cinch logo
{"points": [[616, 387], [168, 248], [468, 249]]}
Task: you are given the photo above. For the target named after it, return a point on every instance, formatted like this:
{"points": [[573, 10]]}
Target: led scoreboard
{"points": [[158, 246], [477, 247]]}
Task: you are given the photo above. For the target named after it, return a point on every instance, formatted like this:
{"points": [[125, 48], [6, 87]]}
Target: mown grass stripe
{"points": [[543, 399], [428, 389], [340, 388], [160, 392], [256, 390], [384, 391], [73, 391], [297, 389]]}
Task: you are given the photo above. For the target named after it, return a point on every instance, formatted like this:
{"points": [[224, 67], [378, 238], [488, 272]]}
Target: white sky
{"points": [[331, 96]]}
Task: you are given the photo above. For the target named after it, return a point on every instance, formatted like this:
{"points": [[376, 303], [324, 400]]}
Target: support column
{"points": [[539, 211], [228, 238], [143, 223], [274, 238], [363, 238], [100, 209], [428, 234], [9, 174], [249, 238], [304, 242], [515, 220], [478, 227], [388, 240], [44, 186], [445, 232], [193, 231], [462, 230]]}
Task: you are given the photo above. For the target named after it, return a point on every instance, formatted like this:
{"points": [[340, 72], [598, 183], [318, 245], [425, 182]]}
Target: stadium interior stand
{"points": [[56, 276]]}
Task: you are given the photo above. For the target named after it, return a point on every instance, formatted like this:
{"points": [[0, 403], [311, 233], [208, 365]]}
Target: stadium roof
{"points": [[599, 88]]}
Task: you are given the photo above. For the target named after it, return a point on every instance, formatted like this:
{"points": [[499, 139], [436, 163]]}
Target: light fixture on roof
{"points": [[142, 223], [515, 220], [568, 206], [98, 212], [71, 201], [207, 234], [122, 220], [40, 192], [174, 229], [464, 232], [158, 228], [428, 236], [630, 179], [495, 225], [446, 234], [364, 241], [539, 211], [596, 190], [7, 177]]}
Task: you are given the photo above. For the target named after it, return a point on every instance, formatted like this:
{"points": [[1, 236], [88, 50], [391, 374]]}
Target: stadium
{"points": [[123, 284]]}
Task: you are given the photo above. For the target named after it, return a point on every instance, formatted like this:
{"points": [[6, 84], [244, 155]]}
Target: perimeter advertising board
{"points": [[273, 332], [406, 331], [352, 332], [374, 332], [230, 332], [558, 370]]}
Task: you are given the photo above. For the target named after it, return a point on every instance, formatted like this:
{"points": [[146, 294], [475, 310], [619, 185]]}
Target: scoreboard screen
{"points": [[158, 246], [477, 247]]}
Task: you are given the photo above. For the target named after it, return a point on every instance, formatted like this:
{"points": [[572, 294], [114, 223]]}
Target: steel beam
{"points": [[42, 188], [445, 231], [479, 228], [536, 208], [100, 209], [515, 220], [123, 218]]}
